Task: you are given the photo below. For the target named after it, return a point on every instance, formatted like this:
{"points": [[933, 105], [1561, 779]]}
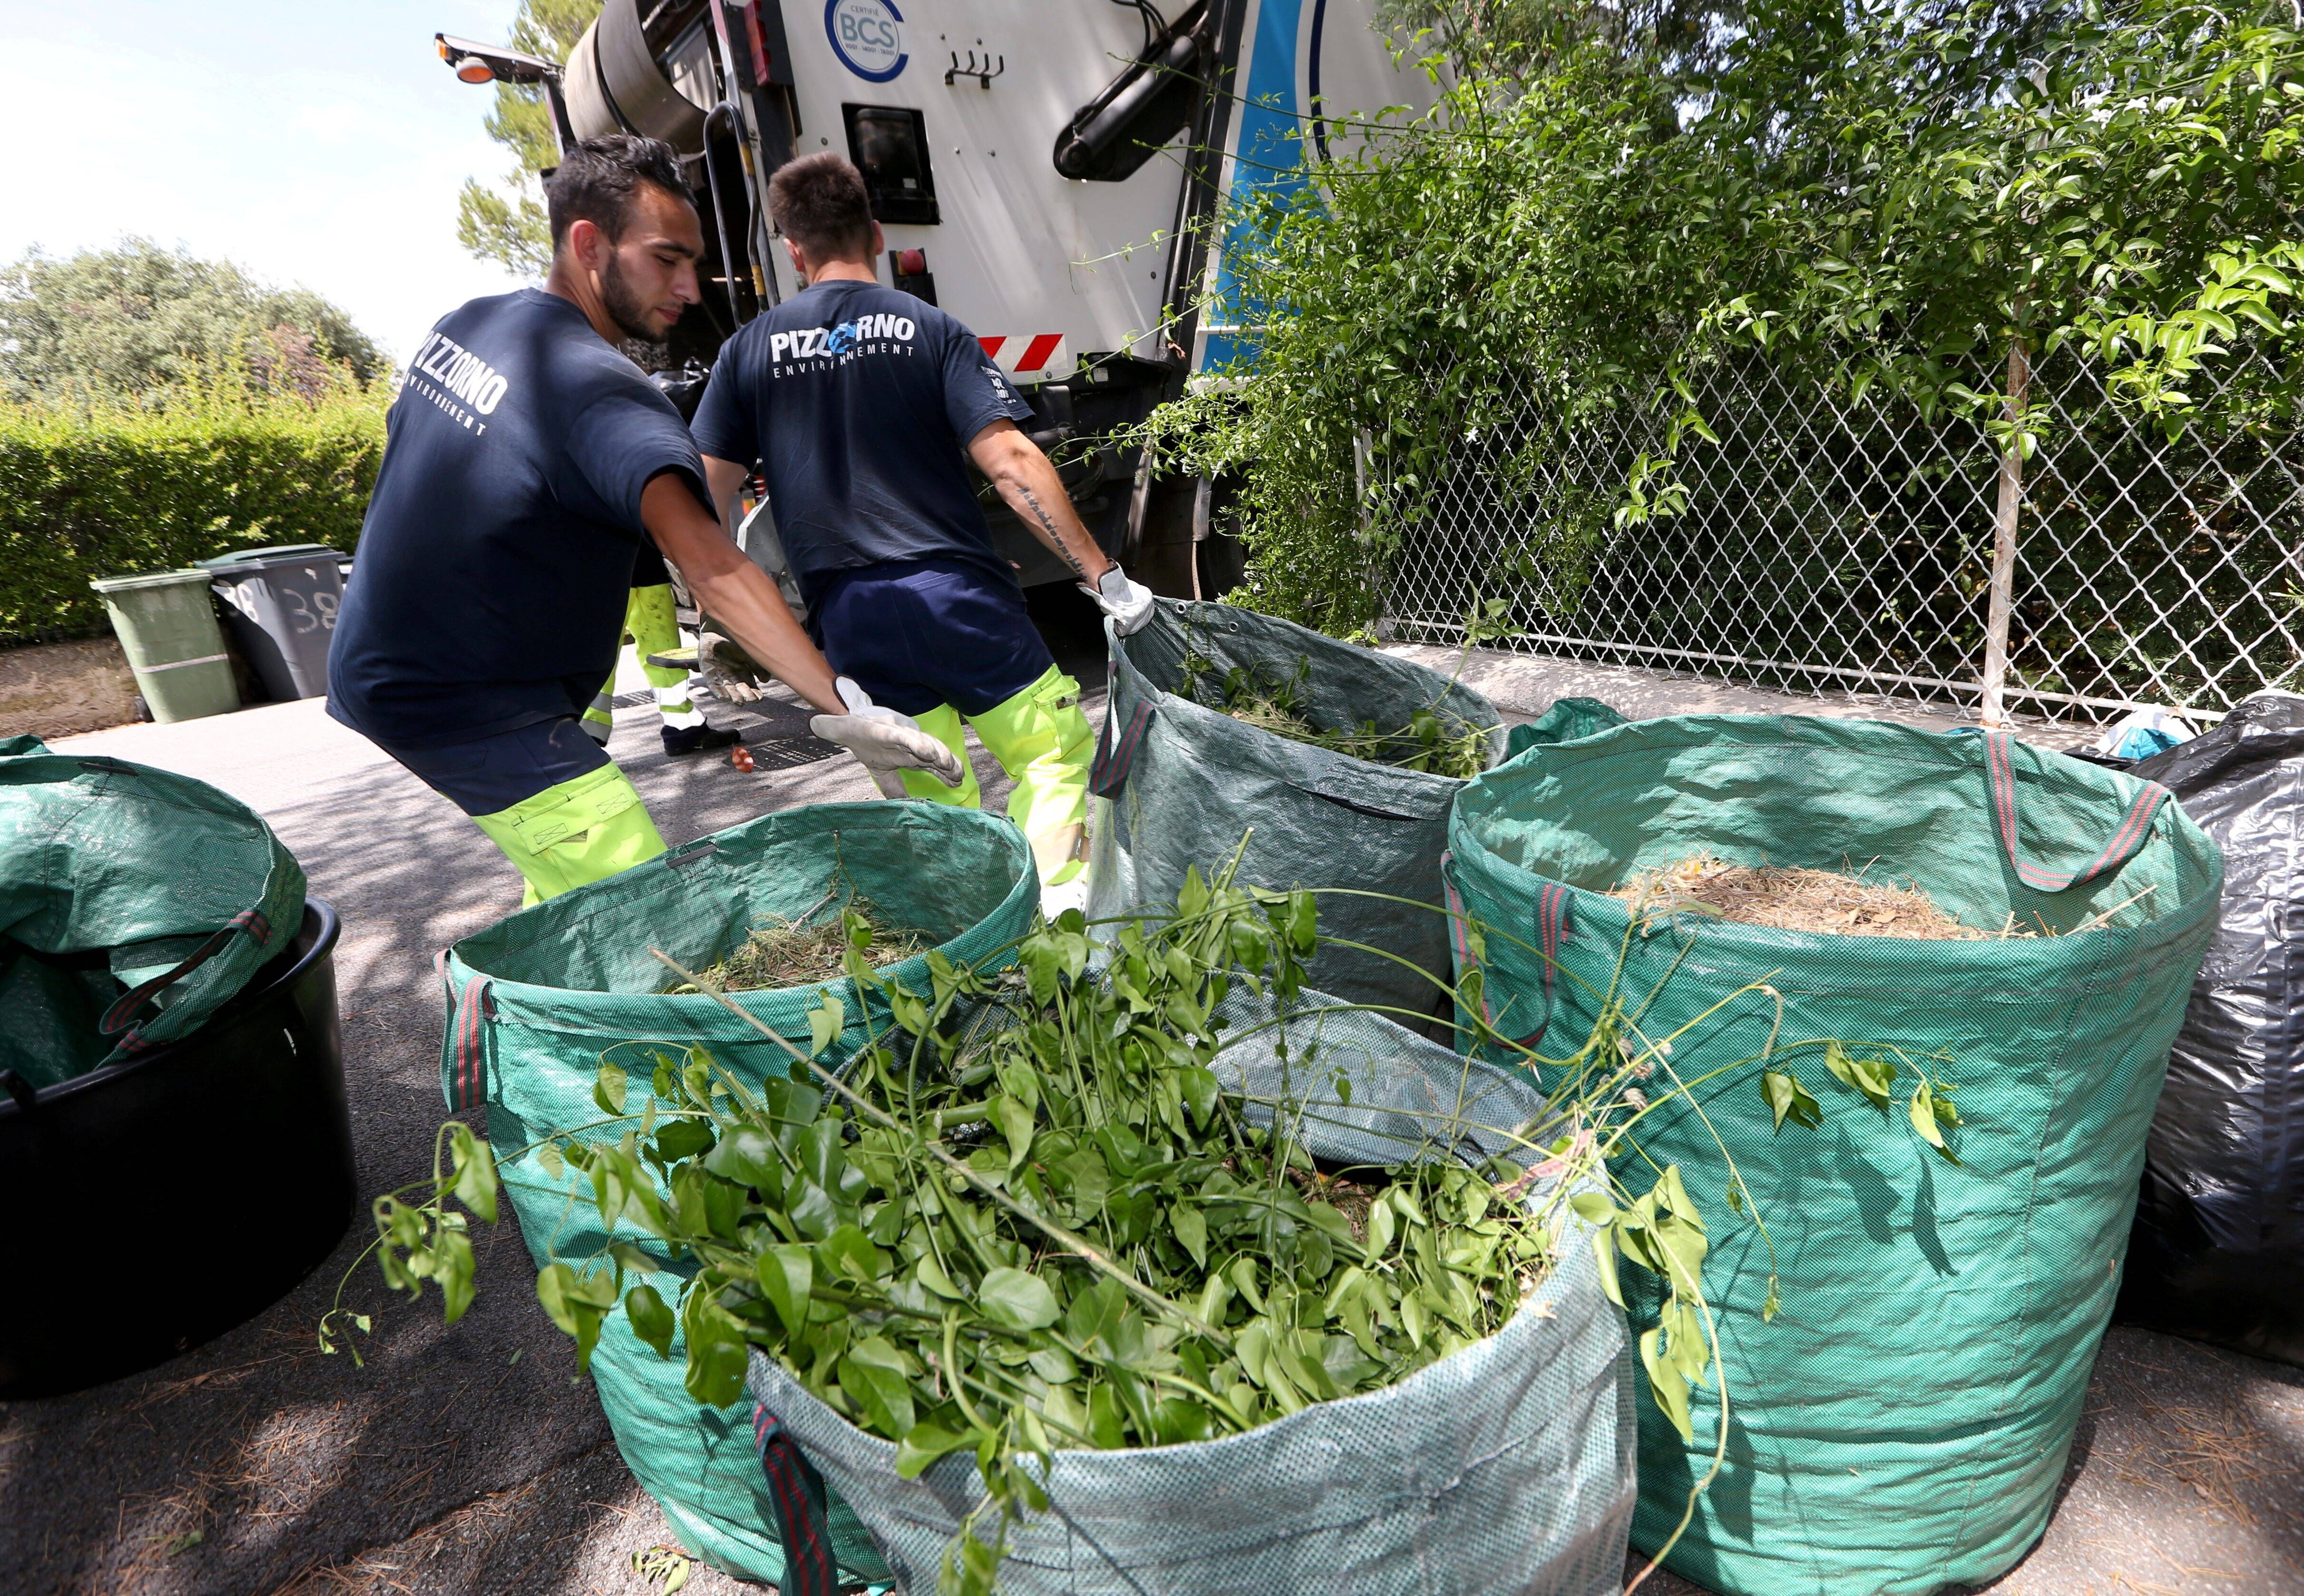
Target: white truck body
{"points": [[1021, 253], [1082, 282]]}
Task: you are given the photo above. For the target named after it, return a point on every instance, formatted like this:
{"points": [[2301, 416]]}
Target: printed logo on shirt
{"points": [[822, 348], [455, 380]]}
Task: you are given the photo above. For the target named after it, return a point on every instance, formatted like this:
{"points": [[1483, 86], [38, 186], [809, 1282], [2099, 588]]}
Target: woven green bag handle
{"points": [[2000, 775], [130, 1004], [1115, 756], [1552, 904], [463, 1055]]}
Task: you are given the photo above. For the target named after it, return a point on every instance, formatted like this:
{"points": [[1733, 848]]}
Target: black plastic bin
{"points": [[280, 604], [98, 1171]]}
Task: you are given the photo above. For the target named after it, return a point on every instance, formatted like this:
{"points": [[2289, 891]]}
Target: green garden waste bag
{"points": [[1504, 1467], [1568, 719], [134, 903], [1902, 1423], [535, 1001], [1177, 783]]}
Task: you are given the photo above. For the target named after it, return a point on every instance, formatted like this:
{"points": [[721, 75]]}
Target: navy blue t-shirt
{"points": [[496, 559], [855, 402]]}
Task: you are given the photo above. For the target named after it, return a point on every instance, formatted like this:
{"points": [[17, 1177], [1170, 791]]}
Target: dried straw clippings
{"points": [[1794, 898], [806, 951], [1791, 899]]}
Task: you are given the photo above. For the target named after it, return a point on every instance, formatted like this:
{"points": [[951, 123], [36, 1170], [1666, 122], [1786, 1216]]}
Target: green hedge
{"points": [[85, 494]]}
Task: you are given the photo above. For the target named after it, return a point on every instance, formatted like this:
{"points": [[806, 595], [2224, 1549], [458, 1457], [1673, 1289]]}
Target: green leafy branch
{"points": [[1860, 206], [425, 1239]]}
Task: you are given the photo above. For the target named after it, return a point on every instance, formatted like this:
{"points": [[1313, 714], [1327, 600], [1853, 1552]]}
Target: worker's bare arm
{"points": [[737, 593], [726, 478], [1030, 484]]}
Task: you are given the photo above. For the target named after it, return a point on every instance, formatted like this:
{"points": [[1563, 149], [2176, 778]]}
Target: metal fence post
{"points": [[1363, 447], [1994, 709]]}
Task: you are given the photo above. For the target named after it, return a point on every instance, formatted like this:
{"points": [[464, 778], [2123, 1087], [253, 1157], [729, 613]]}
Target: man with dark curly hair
{"points": [[526, 460]]}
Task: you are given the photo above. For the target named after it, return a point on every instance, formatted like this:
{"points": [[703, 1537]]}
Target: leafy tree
{"points": [[1873, 202], [1507, 42], [135, 322], [508, 223]]}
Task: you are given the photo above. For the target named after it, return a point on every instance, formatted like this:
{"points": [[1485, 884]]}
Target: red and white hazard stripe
{"points": [[1029, 354]]}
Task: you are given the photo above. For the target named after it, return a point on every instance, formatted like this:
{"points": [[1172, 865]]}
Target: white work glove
{"points": [[1130, 604], [720, 675], [885, 742]]}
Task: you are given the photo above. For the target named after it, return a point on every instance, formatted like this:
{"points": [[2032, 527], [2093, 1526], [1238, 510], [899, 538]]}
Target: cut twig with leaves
{"points": [[1432, 740]]}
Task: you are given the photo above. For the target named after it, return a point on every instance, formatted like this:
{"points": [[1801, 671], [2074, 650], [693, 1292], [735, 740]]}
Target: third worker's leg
{"points": [[652, 624], [1043, 741]]}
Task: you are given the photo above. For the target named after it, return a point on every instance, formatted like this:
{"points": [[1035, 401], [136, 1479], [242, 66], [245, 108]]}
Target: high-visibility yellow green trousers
{"points": [[652, 627], [575, 832], [1042, 740]]}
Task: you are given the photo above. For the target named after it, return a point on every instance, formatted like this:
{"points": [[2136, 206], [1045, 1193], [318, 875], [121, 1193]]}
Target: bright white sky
{"points": [[312, 141]]}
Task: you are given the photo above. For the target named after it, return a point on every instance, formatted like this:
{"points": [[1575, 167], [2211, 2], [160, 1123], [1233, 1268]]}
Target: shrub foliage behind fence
{"points": [[1710, 355], [1825, 545], [87, 493]]}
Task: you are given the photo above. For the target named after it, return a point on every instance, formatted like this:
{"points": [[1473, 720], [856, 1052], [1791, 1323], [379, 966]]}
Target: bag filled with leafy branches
{"points": [[1354, 1335], [1339, 762], [1138, 1265], [538, 1002]]}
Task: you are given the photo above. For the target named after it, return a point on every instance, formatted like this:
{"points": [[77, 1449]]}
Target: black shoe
{"points": [[680, 741]]}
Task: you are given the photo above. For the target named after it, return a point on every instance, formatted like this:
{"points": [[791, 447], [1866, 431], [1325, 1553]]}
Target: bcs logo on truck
{"points": [[868, 37]]}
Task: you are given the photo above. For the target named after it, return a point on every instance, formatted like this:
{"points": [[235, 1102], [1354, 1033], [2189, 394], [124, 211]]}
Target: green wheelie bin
{"points": [[168, 625]]}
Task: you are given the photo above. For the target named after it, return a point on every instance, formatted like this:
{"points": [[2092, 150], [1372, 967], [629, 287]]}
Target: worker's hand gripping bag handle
{"points": [[1128, 603]]}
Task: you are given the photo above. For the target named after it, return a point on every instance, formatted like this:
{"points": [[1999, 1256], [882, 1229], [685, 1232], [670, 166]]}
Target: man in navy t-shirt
{"points": [[861, 406], [525, 458]]}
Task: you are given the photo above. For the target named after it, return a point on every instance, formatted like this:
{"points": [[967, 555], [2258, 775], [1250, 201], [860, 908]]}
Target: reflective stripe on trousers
{"points": [[651, 626]]}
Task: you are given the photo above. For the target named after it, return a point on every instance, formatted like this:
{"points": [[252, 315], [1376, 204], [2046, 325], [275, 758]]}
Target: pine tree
{"points": [[507, 223]]}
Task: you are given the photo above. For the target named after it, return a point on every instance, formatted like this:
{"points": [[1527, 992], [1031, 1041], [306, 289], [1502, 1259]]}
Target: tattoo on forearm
{"points": [[1055, 538]]}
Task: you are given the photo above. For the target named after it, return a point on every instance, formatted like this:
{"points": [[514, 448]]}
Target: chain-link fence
{"points": [[1823, 545]]}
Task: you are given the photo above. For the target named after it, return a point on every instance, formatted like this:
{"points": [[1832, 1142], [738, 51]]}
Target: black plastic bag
{"points": [[2218, 1248]]}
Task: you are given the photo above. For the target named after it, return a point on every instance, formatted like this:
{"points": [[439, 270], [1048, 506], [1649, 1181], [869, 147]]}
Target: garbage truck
{"points": [[1054, 173]]}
